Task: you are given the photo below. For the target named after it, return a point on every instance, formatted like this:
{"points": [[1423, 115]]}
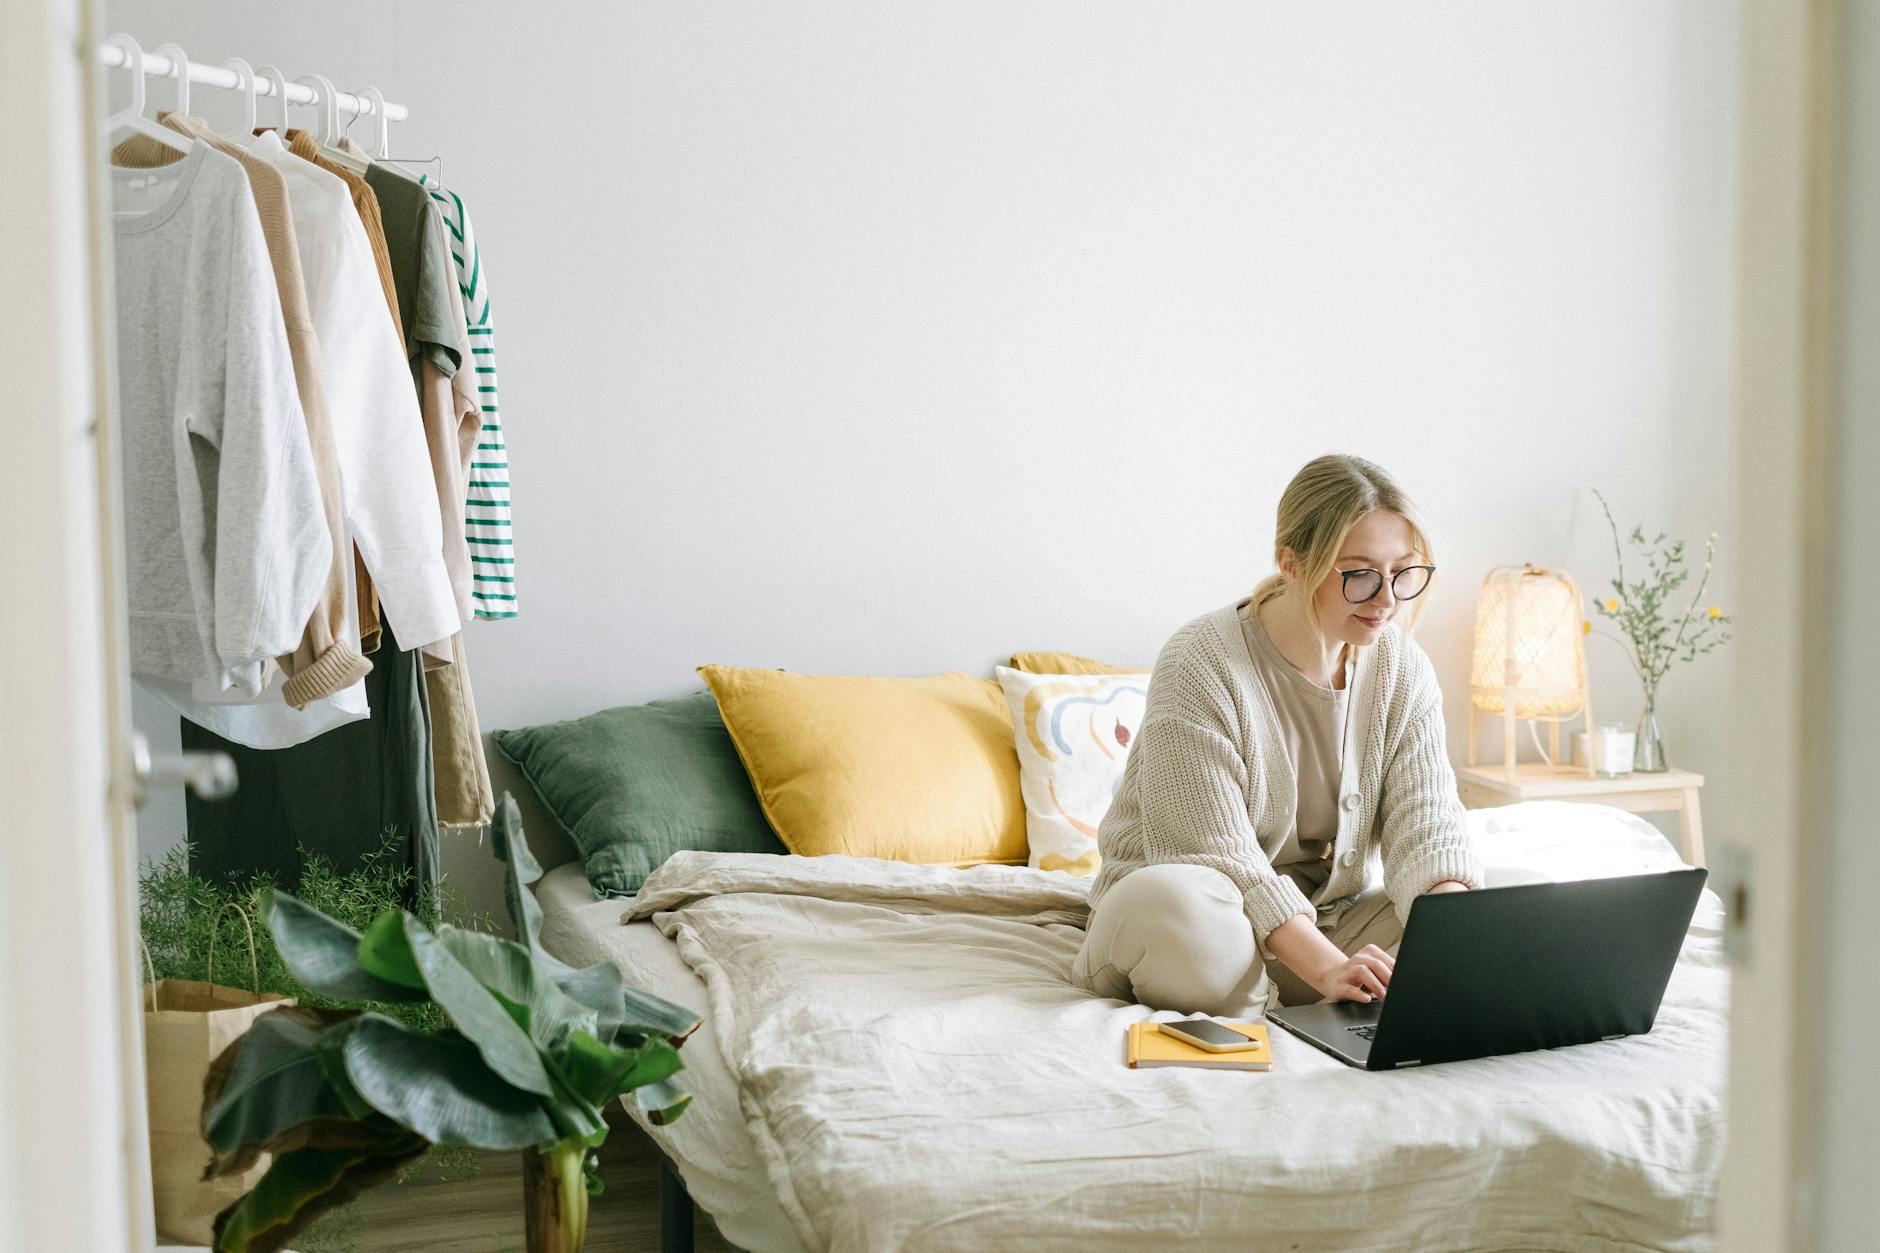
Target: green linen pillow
{"points": [[632, 786]]}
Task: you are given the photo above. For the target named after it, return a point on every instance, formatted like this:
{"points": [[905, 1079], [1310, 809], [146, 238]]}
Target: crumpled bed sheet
{"points": [[918, 1073]]}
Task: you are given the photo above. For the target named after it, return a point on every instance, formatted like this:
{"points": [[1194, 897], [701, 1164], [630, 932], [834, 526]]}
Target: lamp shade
{"points": [[1528, 645]]}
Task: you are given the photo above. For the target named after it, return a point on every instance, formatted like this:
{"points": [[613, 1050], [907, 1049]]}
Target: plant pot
{"points": [[554, 1199]]}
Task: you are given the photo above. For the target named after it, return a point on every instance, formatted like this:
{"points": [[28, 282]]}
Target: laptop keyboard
{"points": [[1364, 1031]]}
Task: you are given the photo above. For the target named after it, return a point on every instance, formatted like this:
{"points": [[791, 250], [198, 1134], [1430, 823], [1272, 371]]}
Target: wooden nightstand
{"points": [[1484, 787]]}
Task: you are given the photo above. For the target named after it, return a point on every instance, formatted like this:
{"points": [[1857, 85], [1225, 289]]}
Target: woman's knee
{"points": [[1176, 933]]}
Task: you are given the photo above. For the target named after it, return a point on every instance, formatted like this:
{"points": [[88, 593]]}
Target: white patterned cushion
{"points": [[1073, 733]]}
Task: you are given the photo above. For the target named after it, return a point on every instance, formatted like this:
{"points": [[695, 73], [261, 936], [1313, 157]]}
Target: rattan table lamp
{"points": [[1530, 657]]}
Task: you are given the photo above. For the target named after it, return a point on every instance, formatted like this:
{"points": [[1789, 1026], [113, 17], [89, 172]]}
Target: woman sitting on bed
{"points": [[1291, 741]]}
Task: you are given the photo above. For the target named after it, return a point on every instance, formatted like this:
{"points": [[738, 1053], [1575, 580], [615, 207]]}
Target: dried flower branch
{"points": [[1654, 642]]}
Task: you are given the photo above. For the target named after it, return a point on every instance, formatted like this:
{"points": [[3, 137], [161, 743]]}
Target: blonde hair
{"points": [[1317, 511]]}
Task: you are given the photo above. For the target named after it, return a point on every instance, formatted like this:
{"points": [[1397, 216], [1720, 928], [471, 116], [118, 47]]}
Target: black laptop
{"points": [[1505, 970]]}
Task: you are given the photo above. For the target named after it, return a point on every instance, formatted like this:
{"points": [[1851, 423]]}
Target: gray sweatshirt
{"points": [[226, 537]]}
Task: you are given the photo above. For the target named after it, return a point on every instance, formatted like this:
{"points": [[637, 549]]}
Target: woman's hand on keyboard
{"points": [[1363, 976]]}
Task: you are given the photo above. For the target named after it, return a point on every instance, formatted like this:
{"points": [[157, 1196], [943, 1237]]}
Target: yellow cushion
{"points": [[1068, 663], [919, 770]]}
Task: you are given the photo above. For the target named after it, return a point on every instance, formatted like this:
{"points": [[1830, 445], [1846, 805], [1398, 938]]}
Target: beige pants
{"points": [[1174, 937]]}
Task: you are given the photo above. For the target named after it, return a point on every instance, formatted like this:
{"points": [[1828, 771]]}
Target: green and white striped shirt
{"points": [[488, 528]]}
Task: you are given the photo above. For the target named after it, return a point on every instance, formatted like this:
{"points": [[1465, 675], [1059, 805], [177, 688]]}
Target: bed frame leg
{"points": [[675, 1210]]}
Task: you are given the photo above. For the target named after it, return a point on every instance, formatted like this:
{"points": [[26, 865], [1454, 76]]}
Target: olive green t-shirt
{"points": [[421, 268]]}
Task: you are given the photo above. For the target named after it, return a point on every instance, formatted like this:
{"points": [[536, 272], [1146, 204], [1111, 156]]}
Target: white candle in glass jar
{"points": [[1612, 749]]}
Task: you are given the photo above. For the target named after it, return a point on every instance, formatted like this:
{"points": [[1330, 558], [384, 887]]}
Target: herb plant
{"points": [[192, 933]]}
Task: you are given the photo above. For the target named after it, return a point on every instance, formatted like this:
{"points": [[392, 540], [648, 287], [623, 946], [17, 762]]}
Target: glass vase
{"points": [[1648, 751]]}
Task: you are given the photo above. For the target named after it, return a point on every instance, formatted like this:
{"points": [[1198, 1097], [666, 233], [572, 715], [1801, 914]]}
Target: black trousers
{"points": [[342, 795]]}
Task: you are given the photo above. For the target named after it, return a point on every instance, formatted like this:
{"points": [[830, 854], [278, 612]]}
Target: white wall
{"points": [[892, 337]]}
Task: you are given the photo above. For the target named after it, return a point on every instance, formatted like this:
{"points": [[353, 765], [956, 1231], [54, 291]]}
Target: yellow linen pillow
{"points": [[1068, 663], [917, 770]]}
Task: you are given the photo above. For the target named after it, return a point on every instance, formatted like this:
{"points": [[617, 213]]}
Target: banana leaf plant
{"points": [[342, 1099]]}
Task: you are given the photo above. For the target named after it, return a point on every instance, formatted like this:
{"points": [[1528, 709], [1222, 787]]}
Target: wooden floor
{"points": [[482, 1213]]}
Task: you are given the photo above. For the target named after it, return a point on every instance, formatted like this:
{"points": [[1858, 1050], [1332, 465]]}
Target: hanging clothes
{"points": [[328, 661], [366, 205], [463, 782], [384, 465], [459, 411], [289, 344], [437, 339], [489, 527], [464, 795], [227, 539], [421, 270], [459, 766], [346, 794]]}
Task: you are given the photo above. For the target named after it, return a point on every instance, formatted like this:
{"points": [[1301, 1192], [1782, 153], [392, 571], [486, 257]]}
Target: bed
{"points": [[893, 1058]]}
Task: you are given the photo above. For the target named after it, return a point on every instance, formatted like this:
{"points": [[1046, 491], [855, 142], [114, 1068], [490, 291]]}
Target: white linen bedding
{"points": [[917, 1072]]}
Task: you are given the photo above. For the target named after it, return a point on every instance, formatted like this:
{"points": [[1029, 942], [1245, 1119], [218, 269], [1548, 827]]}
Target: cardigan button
{"points": [[1350, 858], [1351, 801]]}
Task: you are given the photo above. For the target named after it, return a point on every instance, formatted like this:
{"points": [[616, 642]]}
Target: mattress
{"points": [[710, 1143], [894, 1058]]}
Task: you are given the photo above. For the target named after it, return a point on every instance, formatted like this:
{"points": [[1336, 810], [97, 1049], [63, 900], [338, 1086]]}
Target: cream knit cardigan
{"points": [[1209, 781]]}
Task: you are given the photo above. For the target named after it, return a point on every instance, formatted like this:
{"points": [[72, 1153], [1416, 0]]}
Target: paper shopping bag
{"points": [[186, 1026]]}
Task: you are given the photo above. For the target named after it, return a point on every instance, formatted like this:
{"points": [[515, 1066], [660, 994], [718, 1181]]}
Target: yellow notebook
{"points": [[1146, 1045]]}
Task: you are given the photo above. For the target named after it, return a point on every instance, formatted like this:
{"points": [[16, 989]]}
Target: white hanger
{"points": [[383, 150], [132, 118], [179, 67], [328, 102], [376, 98], [246, 74], [278, 81]]}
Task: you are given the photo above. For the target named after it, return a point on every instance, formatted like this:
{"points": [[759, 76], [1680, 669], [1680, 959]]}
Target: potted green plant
{"points": [[532, 1052], [1653, 639]]}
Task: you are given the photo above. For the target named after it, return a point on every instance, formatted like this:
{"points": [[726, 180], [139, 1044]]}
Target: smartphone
{"points": [[1205, 1033]]}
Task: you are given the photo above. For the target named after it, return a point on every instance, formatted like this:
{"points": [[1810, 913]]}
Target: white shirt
{"points": [[385, 468], [268, 721]]}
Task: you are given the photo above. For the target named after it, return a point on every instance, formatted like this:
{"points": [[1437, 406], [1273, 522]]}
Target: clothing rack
{"points": [[115, 55]]}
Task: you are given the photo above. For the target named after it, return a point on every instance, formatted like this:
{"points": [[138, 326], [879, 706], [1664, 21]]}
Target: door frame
{"points": [[1787, 415], [74, 1148]]}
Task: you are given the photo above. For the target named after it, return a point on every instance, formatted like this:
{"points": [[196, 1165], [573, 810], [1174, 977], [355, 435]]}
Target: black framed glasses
{"points": [[1407, 584]]}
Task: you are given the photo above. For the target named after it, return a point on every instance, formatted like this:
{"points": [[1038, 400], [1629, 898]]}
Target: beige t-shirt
{"points": [[1312, 722]]}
